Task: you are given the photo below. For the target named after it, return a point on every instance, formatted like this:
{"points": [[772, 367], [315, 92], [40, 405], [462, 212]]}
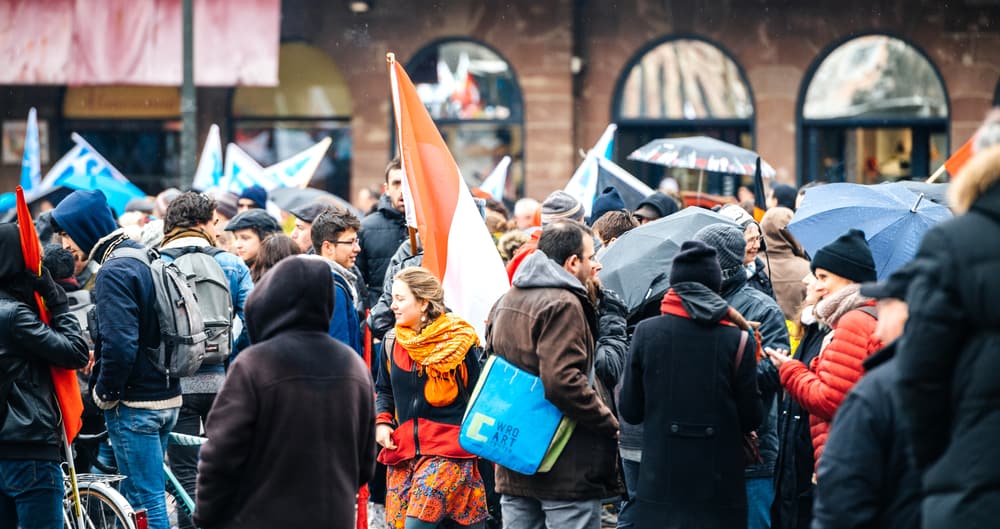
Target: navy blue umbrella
{"points": [[893, 218]]}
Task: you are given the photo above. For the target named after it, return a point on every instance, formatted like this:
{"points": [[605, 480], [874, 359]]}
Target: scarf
{"points": [[440, 349], [181, 232], [351, 278], [830, 309]]}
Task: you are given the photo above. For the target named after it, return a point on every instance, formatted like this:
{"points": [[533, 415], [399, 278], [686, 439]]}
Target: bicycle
{"points": [[101, 505]]}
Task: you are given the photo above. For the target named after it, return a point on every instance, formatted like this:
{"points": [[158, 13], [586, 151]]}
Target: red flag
{"points": [[64, 381], [957, 160], [458, 249]]}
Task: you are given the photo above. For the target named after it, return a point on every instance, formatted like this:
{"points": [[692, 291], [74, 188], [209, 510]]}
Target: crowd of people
{"points": [[766, 387]]}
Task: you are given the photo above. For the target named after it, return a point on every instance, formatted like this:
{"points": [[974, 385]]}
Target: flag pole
{"points": [[937, 174], [390, 58]]}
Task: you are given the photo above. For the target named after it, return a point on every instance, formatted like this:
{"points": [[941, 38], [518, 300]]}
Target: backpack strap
{"points": [[869, 310], [133, 253], [176, 252], [744, 336]]}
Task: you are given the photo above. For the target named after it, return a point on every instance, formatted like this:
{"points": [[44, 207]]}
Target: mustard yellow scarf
{"points": [[439, 349]]}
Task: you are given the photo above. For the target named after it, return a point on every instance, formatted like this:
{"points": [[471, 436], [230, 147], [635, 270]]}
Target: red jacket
{"points": [[821, 387], [525, 250]]}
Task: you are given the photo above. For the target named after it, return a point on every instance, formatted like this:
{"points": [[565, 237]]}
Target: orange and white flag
{"points": [[458, 248]]}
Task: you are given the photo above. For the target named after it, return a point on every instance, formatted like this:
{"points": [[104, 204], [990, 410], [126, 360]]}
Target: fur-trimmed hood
{"points": [[978, 176]]}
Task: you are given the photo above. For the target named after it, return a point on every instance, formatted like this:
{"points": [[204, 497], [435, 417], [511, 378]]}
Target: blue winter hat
{"points": [[608, 200], [257, 194], [85, 217]]}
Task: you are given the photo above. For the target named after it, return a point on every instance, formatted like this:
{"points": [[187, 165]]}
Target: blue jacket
{"points": [[127, 330], [345, 324]]}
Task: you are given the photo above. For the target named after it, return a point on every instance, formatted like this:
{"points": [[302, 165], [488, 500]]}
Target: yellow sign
{"points": [[122, 102]]}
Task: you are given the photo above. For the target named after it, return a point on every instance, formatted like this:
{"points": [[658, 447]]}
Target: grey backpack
{"points": [[182, 328], [211, 288]]}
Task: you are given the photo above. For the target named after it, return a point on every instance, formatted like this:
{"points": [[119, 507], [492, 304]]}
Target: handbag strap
{"points": [[739, 352]]}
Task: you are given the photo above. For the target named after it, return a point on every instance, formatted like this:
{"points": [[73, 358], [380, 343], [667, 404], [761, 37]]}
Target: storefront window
{"points": [[136, 128], [874, 110], [474, 98], [312, 101], [677, 87]]}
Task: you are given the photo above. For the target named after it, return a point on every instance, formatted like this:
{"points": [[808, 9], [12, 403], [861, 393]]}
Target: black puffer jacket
{"points": [[381, 233], [948, 359], [757, 306]]}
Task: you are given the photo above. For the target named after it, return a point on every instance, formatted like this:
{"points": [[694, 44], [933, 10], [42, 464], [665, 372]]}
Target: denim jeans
{"points": [[626, 518], [531, 513], [139, 438], [760, 496], [31, 494]]}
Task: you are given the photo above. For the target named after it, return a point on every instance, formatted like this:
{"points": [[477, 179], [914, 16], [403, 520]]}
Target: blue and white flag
{"points": [[495, 183], [631, 189], [583, 183], [241, 170], [297, 170], [209, 172], [84, 168], [31, 162]]}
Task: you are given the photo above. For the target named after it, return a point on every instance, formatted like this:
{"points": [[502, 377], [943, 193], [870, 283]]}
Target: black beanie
{"points": [[696, 263], [608, 200], [849, 257]]}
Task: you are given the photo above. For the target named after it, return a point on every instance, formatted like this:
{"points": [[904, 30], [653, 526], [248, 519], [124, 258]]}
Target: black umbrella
{"points": [[289, 198], [937, 193], [637, 265], [702, 153]]}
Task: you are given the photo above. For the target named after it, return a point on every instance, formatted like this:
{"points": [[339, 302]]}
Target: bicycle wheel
{"points": [[178, 514], [104, 508]]}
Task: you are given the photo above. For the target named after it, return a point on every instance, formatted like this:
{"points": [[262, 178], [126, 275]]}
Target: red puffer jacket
{"points": [[820, 388]]}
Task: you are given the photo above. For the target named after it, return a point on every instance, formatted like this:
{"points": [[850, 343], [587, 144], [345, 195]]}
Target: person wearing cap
{"points": [[840, 267], [140, 404], [948, 358], [730, 246], [304, 217], [381, 234], [249, 229], [253, 197], [692, 463], [755, 268], [608, 200], [655, 206], [866, 477]]}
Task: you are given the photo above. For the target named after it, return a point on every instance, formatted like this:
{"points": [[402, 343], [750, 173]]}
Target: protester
{"points": [[381, 319], [382, 232], [781, 196], [509, 243], [31, 484], [794, 470], [335, 239], [304, 217], [756, 306], [948, 356], [549, 295], [608, 200], [430, 364], [225, 210], [839, 268], [524, 213], [866, 477], [366, 200], [140, 403], [786, 261], [559, 205], [291, 436], [253, 197], [695, 418], [801, 195], [612, 225], [655, 206], [249, 229], [755, 267], [275, 247]]}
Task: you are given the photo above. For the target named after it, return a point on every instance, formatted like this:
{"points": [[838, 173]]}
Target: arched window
{"points": [[473, 96], [136, 128], [681, 86], [873, 108], [312, 101]]}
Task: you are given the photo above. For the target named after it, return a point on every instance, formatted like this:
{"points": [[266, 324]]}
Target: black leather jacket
{"points": [[29, 420]]}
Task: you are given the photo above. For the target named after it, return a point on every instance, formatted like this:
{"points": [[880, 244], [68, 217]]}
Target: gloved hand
{"points": [[53, 294]]}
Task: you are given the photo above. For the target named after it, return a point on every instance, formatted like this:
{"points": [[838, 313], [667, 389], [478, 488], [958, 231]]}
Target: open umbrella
{"points": [[893, 218], [289, 198], [702, 153], [637, 265]]}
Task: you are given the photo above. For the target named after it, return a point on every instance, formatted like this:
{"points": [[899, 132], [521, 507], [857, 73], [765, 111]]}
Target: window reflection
{"points": [[685, 79]]}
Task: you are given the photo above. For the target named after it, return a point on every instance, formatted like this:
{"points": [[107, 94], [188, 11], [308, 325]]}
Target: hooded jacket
{"points": [[757, 306], [822, 386], [683, 382], [786, 261], [545, 325], [381, 234], [948, 359], [294, 423], [29, 421]]}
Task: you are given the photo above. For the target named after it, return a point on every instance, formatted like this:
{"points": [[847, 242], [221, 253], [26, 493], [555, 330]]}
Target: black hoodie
{"points": [[294, 423]]}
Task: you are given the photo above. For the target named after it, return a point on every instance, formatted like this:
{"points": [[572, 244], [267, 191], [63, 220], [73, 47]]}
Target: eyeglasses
{"points": [[349, 242], [592, 258]]}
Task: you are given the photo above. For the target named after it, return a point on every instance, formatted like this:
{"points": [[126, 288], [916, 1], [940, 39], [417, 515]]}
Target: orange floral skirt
{"points": [[432, 488]]}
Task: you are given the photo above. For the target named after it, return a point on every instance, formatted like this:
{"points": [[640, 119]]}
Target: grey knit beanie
{"points": [[561, 205], [728, 242]]}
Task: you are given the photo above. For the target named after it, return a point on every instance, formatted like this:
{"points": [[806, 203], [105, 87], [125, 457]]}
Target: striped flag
{"points": [[957, 160], [297, 170], [583, 183], [31, 161], [209, 171], [458, 248]]}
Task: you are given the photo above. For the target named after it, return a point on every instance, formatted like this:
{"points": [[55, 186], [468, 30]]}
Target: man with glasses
{"points": [[335, 239]]}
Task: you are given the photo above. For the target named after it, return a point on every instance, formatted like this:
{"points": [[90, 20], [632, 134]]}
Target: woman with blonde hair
{"points": [[426, 374]]}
